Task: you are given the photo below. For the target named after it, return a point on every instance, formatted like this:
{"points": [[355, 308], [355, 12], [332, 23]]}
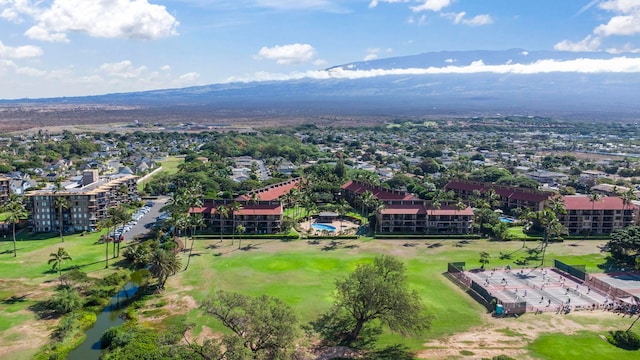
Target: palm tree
{"points": [[343, 208], [163, 264], [106, 223], [223, 211], [195, 221], [17, 211], [379, 207], [235, 207], [435, 204], [460, 205], [240, 229], [61, 203], [627, 199], [116, 214], [593, 197], [253, 199], [365, 202], [57, 259]]}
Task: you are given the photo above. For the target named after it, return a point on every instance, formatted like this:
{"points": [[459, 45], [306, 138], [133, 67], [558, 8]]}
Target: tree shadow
{"points": [[313, 242], [43, 312], [351, 246], [434, 245], [15, 299], [391, 352], [212, 246], [249, 247], [409, 244], [333, 245]]}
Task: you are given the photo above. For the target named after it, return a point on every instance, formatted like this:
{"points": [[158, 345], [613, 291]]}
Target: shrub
{"points": [[65, 301], [624, 339]]}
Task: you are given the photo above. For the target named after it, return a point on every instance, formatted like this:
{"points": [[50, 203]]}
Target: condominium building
{"points": [[602, 216], [416, 217], [404, 213], [87, 204], [257, 217]]}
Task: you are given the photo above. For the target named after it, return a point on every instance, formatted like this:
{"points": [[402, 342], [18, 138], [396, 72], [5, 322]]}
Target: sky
{"points": [[54, 48]]}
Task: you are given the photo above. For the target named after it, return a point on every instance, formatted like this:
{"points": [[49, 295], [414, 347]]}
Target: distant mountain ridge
{"points": [[571, 94], [465, 58]]}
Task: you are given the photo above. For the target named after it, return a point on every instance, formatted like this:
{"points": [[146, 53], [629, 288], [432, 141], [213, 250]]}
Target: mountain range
{"points": [[515, 81]]}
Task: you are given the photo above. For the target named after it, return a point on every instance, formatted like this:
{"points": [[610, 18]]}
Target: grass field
{"points": [[169, 165], [27, 279], [303, 275]]}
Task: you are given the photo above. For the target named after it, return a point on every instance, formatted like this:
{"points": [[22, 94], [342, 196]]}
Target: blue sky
{"points": [[51, 48]]}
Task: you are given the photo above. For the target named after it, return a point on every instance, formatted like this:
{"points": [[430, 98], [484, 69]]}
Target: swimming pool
{"points": [[325, 227], [507, 220]]}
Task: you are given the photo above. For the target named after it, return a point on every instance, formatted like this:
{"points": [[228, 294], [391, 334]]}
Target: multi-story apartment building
{"points": [[87, 203], [403, 213], [584, 216], [257, 217], [259, 211]]}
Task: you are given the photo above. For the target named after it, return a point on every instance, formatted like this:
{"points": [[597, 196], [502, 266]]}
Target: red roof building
{"points": [[597, 217], [259, 217]]}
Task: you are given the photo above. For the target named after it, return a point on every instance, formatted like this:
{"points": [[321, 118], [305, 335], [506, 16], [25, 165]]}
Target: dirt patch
{"points": [[508, 336]]}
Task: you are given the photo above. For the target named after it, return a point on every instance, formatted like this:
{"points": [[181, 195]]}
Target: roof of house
{"points": [[581, 202], [380, 193]]}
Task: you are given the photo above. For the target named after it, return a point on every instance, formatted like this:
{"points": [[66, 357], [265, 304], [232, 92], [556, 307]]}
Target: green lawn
{"points": [[169, 165], [303, 275], [583, 345]]}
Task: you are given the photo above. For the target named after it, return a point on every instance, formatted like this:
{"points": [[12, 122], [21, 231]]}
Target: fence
{"points": [[456, 270], [605, 288], [577, 271]]}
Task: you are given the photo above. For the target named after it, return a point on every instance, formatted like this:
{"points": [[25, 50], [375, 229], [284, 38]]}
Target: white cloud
{"points": [[131, 19], [370, 57], [587, 66], [461, 18], [431, 5], [189, 77], [29, 71], [20, 52], [288, 54], [165, 68], [123, 70], [589, 43], [625, 21], [375, 3], [320, 62]]}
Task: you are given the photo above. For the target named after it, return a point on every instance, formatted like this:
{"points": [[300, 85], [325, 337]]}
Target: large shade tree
{"points": [[624, 247], [265, 326], [379, 291]]}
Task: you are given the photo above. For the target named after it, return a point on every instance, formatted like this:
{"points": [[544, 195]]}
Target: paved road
{"points": [[146, 219]]}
